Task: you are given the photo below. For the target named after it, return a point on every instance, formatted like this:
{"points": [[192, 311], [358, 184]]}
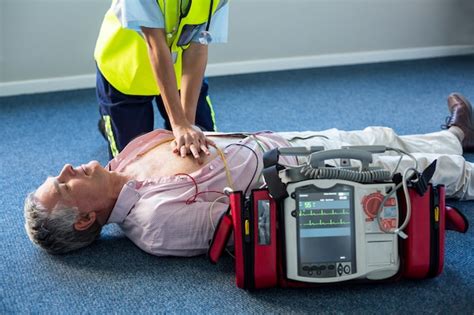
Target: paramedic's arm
{"points": [[194, 66], [188, 137]]}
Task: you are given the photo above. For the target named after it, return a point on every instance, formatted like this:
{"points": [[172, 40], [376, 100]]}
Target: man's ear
{"points": [[85, 222]]}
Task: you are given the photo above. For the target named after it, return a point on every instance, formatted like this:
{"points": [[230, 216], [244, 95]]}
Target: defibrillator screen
{"points": [[325, 224]]}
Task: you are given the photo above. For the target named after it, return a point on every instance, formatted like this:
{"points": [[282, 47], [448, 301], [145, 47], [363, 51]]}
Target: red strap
{"points": [[220, 238], [455, 220]]}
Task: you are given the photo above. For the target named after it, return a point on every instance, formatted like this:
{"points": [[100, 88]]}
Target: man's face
{"points": [[84, 187]]}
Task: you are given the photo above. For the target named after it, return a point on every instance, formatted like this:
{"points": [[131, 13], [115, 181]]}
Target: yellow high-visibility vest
{"points": [[121, 54]]}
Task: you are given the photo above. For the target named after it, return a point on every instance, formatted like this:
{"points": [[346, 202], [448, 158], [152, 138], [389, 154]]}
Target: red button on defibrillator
{"points": [[371, 204]]}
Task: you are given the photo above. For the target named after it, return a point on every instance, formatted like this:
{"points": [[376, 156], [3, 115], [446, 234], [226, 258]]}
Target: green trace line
{"points": [[303, 213], [321, 223]]}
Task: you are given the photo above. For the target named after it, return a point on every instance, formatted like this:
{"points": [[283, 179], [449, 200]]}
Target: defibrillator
{"points": [[349, 221]]}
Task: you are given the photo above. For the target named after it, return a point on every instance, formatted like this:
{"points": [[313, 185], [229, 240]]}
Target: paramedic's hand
{"points": [[190, 139]]}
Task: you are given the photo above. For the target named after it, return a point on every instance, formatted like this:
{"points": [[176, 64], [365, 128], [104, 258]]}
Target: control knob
{"points": [[371, 203]]}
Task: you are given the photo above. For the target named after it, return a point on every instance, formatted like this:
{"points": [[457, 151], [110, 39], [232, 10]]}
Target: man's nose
{"points": [[66, 172], [94, 163]]}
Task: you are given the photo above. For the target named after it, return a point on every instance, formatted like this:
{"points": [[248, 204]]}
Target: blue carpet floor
{"points": [[39, 133]]}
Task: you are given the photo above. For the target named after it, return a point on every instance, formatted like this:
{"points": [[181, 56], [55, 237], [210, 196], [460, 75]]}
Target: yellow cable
{"points": [[229, 177]]}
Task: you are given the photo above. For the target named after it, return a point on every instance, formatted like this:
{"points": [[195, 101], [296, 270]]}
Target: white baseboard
{"points": [[253, 66], [47, 85]]}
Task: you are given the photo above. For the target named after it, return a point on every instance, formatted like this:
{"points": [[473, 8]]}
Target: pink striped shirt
{"points": [[154, 213]]}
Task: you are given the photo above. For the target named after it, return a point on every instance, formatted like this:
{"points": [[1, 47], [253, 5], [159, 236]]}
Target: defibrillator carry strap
{"points": [[221, 237], [455, 220]]}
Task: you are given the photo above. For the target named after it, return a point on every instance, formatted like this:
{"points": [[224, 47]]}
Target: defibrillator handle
{"points": [[316, 159], [297, 151], [371, 148], [271, 158]]}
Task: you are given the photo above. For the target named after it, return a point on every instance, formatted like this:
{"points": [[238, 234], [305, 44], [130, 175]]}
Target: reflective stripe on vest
{"points": [[122, 56]]}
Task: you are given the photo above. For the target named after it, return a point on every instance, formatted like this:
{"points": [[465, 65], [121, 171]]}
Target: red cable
{"points": [[192, 199]]}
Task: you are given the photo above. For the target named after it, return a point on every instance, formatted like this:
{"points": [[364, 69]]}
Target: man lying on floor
{"points": [[167, 205]]}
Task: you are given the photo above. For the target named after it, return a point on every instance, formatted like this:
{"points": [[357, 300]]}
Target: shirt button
{"points": [[211, 167]]}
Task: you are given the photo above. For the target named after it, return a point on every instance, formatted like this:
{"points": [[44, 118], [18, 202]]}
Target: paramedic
{"points": [[168, 205], [157, 50]]}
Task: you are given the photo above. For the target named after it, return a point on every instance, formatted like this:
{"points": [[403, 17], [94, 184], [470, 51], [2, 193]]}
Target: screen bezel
{"points": [[309, 189]]}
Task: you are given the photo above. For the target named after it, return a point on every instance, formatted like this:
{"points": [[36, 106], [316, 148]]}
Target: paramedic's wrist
{"points": [[189, 139]]}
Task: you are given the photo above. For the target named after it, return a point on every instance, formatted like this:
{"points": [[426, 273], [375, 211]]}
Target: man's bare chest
{"points": [[161, 161]]}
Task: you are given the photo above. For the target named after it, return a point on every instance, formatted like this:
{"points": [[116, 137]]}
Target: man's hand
{"points": [[190, 139]]}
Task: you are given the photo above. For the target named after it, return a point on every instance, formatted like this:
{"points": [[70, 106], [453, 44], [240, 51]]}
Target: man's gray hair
{"points": [[54, 230]]}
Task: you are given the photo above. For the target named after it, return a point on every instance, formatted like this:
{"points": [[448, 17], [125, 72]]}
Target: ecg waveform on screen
{"points": [[314, 213], [325, 223], [330, 210], [324, 218]]}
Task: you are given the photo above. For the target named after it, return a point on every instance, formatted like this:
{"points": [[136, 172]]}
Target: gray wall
{"points": [[313, 27], [55, 38], [2, 40], [49, 38]]}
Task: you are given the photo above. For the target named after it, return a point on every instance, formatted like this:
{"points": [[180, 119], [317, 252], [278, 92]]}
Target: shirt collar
{"points": [[126, 200]]}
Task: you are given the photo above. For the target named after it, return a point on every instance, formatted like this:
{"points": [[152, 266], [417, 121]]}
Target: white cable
{"points": [[400, 229], [407, 200], [398, 164], [414, 169], [210, 211], [400, 151], [229, 190], [380, 208]]}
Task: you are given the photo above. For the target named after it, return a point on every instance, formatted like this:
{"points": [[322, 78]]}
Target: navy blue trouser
{"points": [[128, 116]]}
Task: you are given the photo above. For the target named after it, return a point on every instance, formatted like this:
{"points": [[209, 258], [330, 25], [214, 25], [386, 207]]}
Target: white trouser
{"points": [[452, 169]]}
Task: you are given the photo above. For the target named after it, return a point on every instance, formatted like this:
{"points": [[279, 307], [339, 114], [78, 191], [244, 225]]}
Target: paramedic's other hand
{"points": [[190, 139]]}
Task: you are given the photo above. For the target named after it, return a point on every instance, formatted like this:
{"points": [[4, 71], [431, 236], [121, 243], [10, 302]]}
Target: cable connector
{"points": [[419, 183], [228, 191], [400, 233]]}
